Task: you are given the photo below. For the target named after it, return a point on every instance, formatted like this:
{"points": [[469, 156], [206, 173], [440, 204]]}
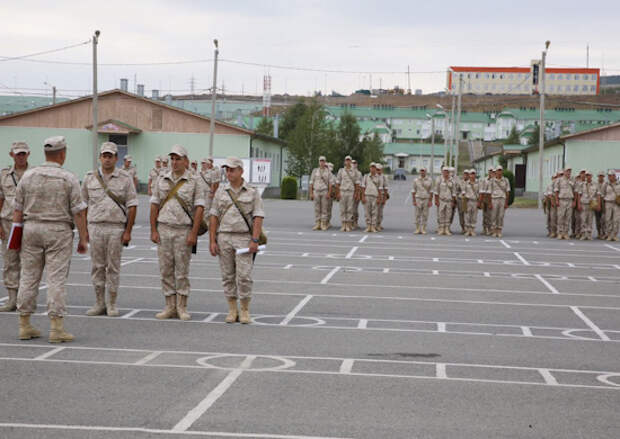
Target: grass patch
{"points": [[525, 203]]}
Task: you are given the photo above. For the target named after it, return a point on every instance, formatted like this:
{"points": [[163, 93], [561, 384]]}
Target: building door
{"points": [[401, 162], [520, 176], [121, 143]]}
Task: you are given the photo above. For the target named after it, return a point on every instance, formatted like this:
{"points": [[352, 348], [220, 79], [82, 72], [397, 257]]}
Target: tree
{"points": [[371, 151], [346, 142], [265, 126], [534, 137], [290, 118], [513, 138]]}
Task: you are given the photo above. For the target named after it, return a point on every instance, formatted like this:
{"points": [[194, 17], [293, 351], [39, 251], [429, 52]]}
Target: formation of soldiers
{"points": [[349, 187], [574, 205], [47, 202]]}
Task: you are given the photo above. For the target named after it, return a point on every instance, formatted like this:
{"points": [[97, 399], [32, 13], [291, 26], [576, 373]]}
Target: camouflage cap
{"points": [[108, 147], [233, 162], [19, 146], [178, 150], [56, 143]]}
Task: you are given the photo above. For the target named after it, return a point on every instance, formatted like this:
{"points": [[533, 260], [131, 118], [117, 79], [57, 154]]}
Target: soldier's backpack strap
{"points": [[262, 239], [109, 193], [172, 193]]}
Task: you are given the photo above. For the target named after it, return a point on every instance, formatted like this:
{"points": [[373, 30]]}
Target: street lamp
{"points": [[432, 145], [53, 91], [541, 128], [213, 97]]}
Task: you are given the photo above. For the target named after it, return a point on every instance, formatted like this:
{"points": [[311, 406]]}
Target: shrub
{"points": [[511, 178], [414, 171], [288, 190]]}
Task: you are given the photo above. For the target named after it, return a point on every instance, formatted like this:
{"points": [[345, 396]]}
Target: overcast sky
{"points": [[361, 36]]}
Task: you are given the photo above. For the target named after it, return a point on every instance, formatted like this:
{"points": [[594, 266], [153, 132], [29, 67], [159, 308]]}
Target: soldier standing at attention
{"points": [[422, 195], [112, 204], [552, 209], [131, 170], [236, 221], [565, 200], [357, 197], [500, 191], [47, 202], [9, 178], [471, 195], [210, 176], [445, 197], [164, 165], [588, 200], [174, 228], [194, 168], [372, 193], [485, 199], [347, 186], [599, 215], [610, 192], [320, 188], [385, 197], [153, 174], [460, 196], [332, 193], [576, 219]]}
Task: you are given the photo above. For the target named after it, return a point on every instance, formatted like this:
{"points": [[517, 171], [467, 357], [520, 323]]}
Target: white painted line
{"points": [[131, 261], [363, 324], [351, 253], [2, 299], [130, 313], [527, 332], [48, 354], [440, 371], [612, 247], [480, 261], [592, 278], [152, 431], [211, 317], [305, 255], [130, 247], [390, 258], [330, 275], [521, 258], [288, 266], [435, 272], [617, 267], [363, 238], [435, 259], [441, 327], [590, 323], [290, 316], [549, 379], [194, 414], [386, 270], [148, 358], [346, 366], [504, 243], [547, 284], [486, 274]]}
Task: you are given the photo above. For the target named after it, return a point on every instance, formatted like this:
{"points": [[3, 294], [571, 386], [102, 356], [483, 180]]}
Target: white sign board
{"points": [[305, 182], [261, 171]]}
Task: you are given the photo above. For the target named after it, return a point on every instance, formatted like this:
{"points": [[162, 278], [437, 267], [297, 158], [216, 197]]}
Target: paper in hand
{"points": [[15, 237], [241, 251]]}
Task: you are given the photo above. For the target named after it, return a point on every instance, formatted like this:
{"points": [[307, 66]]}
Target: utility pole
{"points": [[588, 56], [432, 145], [541, 132], [213, 95], [95, 115], [458, 124], [452, 128], [53, 95], [408, 81]]}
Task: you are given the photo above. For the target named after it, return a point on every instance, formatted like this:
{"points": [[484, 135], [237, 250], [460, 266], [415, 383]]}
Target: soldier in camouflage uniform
{"points": [[384, 198], [110, 221], [175, 220], [565, 200], [599, 215], [460, 205], [320, 188], [587, 195], [131, 170], [229, 231], [445, 198], [500, 191], [347, 185], [471, 193], [485, 200], [610, 192], [332, 194], [357, 197], [576, 219], [153, 175], [9, 178], [552, 208], [372, 195], [47, 201], [422, 195]]}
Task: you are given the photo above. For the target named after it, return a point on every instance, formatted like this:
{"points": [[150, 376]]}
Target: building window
{"points": [[593, 88], [576, 88], [584, 88], [510, 76], [477, 75], [551, 88], [486, 75], [493, 76], [576, 76], [560, 76], [551, 77]]}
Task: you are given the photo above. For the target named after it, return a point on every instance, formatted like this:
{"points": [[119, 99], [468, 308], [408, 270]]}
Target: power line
{"points": [[23, 57]]}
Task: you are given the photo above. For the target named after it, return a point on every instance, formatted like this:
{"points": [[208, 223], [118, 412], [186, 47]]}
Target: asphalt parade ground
{"points": [[355, 335]]}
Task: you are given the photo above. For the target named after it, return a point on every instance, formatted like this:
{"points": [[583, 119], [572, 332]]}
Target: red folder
{"points": [[15, 238]]}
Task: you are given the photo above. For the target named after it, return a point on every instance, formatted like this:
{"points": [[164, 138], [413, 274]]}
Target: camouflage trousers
{"points": [[236, 269], [174, 256], [462, 213], [346, 206], [421, 212], [11, 263], [44, 245], [208, 203], [612, 218], [600, 222], [356, 210], [486, 218], [565, 213], [105, 254], [498, 212], [372, 210], [380, 208], [586, 216], [552, 219], [444, 213], [330, 207], [471, 215], [320, 206], [576, 222]]}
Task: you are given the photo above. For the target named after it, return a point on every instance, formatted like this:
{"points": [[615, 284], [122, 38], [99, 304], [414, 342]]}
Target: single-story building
{"points": [[142, 127], [408, 156]]}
